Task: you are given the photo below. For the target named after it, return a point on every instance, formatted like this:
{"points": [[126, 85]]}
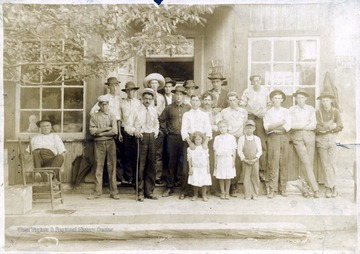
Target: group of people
{"points": [[215, 140]]}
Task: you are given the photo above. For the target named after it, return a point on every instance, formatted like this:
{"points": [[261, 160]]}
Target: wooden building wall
{"points": [[224, 38]]}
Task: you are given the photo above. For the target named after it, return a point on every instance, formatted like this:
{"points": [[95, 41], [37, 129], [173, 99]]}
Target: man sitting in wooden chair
{"points": [[47, 148]]}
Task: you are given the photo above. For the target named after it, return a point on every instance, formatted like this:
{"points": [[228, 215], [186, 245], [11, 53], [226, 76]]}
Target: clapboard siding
{"points": [[284, 17]]}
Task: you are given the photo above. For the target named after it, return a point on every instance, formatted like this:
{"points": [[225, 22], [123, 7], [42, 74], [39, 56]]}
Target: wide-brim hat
{"points": [[169, 80], [190, 83], [277, 91], [149, 91], [250, 122], [300, 91], [154, 76], [325, 94], [179, 89], [216, 75], [130, 86], [45, 119], [112, 80]]}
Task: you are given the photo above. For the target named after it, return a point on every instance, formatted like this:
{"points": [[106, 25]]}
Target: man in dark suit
{"points": [[219, 94]]}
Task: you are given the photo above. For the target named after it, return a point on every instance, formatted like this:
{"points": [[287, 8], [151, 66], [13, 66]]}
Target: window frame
{"points": [[62, 86], [294, 62]]}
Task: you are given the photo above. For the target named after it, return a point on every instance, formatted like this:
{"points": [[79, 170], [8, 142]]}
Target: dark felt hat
{"points": [[216, 75], [112, 80], [190, 83], [277, 91], [45, 119], [325, 94], [169, 80], [301, 91], [130, 86], [179, 88]]}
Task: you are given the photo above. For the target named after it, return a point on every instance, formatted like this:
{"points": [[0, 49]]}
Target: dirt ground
{"points": [[342, 241]]}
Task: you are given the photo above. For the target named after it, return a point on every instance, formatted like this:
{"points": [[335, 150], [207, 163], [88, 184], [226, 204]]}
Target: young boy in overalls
{"points": [[249, 150]]}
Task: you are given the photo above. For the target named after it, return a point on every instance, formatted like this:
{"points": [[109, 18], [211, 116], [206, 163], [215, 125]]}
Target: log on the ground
{"points": [[177, 230]]}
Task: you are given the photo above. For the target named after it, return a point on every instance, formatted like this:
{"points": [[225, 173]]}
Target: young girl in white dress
{"points": [[199, 171], [225, 154]]}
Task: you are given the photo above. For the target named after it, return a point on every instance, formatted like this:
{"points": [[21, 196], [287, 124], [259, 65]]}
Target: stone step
{"points": [[172, 230], [316, 214]]}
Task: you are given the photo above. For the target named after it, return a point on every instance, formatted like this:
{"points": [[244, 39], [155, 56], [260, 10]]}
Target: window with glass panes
{"points": [[49, 94], [286, 63]]}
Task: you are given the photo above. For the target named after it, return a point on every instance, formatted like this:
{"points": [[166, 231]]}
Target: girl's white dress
{"points": [[200, 163], [224, 145]]}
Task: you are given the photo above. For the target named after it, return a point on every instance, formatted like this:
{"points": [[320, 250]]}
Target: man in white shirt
{"points": [[193, 120], [128, 109], [156, 82], [236, 117], [303, 125], [47, 148], [277, 124], [256, 101], [146, 129]]}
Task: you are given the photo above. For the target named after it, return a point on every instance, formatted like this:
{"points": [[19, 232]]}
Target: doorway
{"points": [[175, 69]]}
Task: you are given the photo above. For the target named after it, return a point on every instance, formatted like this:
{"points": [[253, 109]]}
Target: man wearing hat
{"points": [[170, 124], [103, 127], [219, 93], [115, 100], [47, 148], [169, 86], [146, 129], [156, 82], [329, 124], [128, 109], [303, 124], [190, 88], [250, 151], [255, 99], [277, 124]]}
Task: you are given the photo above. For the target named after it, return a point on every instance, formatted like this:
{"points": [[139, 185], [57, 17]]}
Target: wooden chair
{"points": [[50, 187]]}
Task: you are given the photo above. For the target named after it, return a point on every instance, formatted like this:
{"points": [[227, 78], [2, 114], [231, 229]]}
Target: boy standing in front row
{"points": [[249, 150], [103, 127], [277, 123]]}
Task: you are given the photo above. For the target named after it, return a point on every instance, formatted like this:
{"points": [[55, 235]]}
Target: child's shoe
{"points": [[247, 198], [227, 196], [254, 197], [222, 196], [193, 198], [316, 194], [334, 192]]}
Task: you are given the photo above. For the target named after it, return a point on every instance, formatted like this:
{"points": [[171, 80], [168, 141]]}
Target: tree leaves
{"points": [[128, 30]]}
